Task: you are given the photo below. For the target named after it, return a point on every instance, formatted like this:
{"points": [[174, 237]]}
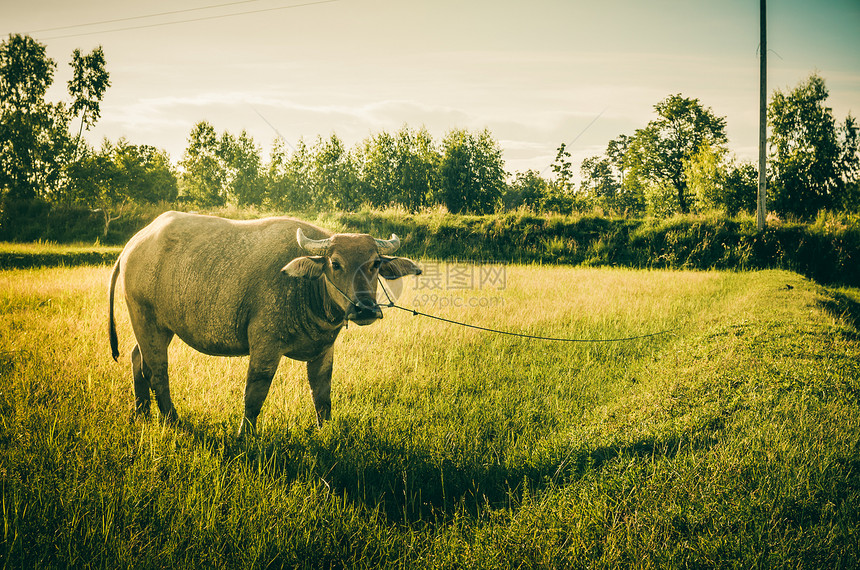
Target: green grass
{"points": [[50, 254], [734, 441]]}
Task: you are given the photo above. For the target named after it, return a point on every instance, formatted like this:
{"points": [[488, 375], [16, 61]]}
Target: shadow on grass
{"points": [[845, 308], [410, 483]]}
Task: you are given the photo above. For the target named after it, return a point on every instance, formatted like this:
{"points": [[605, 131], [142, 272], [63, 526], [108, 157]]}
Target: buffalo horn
{"points": [[312, 246], [389, 245]]}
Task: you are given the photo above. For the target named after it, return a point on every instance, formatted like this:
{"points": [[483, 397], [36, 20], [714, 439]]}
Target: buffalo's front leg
{"points": [[261, 370], [319, 377]]}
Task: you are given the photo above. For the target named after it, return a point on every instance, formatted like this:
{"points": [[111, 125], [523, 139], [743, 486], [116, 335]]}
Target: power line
{"points": [[170, 13], [277, 132], [200, 19], [576, 138]]}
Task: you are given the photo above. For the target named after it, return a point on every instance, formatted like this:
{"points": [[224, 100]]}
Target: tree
{"points": [[96, 182], [705, 175], [472, 172], [34, 137], [562, 167], [379, 165], [812, 168], [740, 188], [203, 173], [559, 195], [528, 189], [660, 151], [630, 196], [289, 180], [849, 164], [93, 178], [417, 168], [598, 181], [616, 152], [143, 174], [335, 176], [416, 171], [89, 82], [241, 163]]}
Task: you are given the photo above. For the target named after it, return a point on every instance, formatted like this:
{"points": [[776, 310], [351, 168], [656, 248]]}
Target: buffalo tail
{"points": [[114, 341]]}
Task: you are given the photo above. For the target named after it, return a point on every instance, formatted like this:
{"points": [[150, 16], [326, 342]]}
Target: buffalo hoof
{"points": [[247, 427], [171, 418], [323, 414]]}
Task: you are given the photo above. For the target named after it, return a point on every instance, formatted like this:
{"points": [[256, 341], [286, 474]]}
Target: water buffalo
{"points": [[266, 288]]}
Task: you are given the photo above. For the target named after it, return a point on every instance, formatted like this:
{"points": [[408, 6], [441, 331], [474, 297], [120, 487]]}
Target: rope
{"points": [[516, 334]]}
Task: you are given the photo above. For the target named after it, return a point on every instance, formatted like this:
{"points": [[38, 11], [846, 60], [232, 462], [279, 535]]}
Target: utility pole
{"points": [[761, 208]]}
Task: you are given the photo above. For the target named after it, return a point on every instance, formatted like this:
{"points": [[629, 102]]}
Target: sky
{"points": [[536, 73]]}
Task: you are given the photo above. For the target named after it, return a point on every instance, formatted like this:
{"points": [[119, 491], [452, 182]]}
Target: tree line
{"points": [[409, 169], [678, 162]]}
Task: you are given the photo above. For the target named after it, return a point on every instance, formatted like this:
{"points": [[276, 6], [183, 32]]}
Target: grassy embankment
{"points": [[47, 254], [734, 441], [827, 250]]}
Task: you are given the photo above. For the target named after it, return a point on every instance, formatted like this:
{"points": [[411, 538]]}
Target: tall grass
{"points": [[733, 441]]}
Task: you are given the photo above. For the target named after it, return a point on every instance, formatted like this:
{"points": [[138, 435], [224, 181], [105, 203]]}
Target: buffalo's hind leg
{"points": [[149, 364], [142, 374], [161, 386]]}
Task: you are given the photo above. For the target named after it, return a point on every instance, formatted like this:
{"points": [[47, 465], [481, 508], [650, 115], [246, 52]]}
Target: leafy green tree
{"points": [[658, 153], [661, 199], [335, 176], [289, 179], [108, 179], [276, 191], [379, 168], [242, 166], [276, 174], [740, 188], [87, 87], [472, 172], [94, 178], [562, 168], [598, 181], [705, 174], [559, 195], [417, 167], [203, 177], [143, 174], [630, 195], [96, 181], [398, 169], [849, 164], [616, 152], [812, 168], [34, 139], [528, 189]]}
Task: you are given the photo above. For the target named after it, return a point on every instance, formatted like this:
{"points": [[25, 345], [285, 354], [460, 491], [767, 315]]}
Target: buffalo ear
{"points": [[396, 267], [307, 267]]}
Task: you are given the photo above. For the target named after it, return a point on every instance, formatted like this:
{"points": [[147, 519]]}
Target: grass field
{"points": [[732, 441], [50, 254]]}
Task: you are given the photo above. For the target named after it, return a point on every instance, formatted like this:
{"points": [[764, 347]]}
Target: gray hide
{"points": [[234, 288]]}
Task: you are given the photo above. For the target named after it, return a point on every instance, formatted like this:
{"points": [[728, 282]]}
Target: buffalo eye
{"points": [[377, 264], [336, 265]]}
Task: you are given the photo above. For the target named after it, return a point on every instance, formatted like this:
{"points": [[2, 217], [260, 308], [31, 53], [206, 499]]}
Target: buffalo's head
{"points": [[351, 264]]}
